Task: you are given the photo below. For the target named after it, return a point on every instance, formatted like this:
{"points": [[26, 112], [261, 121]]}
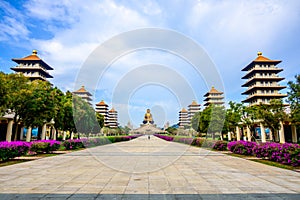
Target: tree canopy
{"points": [[294, 100]]}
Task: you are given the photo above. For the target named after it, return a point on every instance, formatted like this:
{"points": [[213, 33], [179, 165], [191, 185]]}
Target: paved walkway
{"points": [[146, 169]]}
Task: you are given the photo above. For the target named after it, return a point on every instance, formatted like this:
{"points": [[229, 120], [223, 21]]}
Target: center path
{"points": [[146, 169]]}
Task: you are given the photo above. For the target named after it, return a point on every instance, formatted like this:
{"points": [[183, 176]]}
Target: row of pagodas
{"points": [[110, 116], [212, 97]]}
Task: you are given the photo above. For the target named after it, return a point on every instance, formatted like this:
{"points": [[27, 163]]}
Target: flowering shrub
{"points": [[241, 147], [220, 145], [283, 153], [199, 142], [114, 139], [73, 144], [10, 150], [208, 143], [92, 142], [44, 146], [185, 140], [164, 137]]}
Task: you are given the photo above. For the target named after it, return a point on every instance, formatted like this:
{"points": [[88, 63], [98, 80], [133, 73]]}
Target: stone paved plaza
{"points": [[146, 169]]}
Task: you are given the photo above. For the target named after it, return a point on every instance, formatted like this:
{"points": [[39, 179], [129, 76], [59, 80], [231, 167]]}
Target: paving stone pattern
{"points": [[146, 169]]}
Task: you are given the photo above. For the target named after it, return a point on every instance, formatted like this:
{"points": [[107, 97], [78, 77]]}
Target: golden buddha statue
{"points": [[148, 118]]}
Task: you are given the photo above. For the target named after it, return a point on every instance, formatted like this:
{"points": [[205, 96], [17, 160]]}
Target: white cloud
{"points": [[96, 22], [231, 32], [12, 24]]}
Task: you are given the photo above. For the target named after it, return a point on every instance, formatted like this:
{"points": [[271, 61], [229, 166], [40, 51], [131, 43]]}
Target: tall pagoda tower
{"points": [[112, 120], [33, 67], [183, 118], [214, 97], [194, 107], [84, 94], [102, 108], [262, 81]]}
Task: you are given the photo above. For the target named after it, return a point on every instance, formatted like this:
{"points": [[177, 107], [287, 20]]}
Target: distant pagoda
{"points": [[84, 94], [262, 81], [213, 97], [102, 108], [112, 120], [194, 107], [183, 118], [33, 67]]}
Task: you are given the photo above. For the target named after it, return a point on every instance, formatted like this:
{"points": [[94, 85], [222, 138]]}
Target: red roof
{"points": [[112, 110], [101, 103], [261, 59], [82, 90], [194, 103], [33, 58], [213, 91], [183, 110]]}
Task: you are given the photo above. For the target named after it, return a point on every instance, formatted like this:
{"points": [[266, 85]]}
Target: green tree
{"points": [[195, 121], [171, 130], [217, 118], [4, 93], [39, 105], [233, 116], [100, 119], [18, 89], [272, 114], [64, 115], [210, 120], [84, 117], [294, 100], [249, 118]]}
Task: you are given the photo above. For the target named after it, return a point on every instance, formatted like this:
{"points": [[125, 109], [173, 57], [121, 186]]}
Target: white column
{"points": [[28, 134], [263, 133], [238, 133], [275, 135], [271, 135], [281, 134], [229, 136], [294, 134], [64, 135], [43, 136], [22, 133], [53, 133], [72, 135], [9, 130], [248, 133]]}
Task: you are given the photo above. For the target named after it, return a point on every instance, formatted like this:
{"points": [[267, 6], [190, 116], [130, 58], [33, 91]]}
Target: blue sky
{"points": [[231, 32]]}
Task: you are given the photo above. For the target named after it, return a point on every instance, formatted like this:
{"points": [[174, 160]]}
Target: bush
{"points": [[184, 140], [287, 153], [73, 144], [44, 146], [164, 137], [208, 143], [241, 147], [9, 150], [92, 142], [198, 142], [220, 145]]}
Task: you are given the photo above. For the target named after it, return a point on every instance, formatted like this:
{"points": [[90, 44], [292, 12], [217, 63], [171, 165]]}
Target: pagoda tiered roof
{"points": [[102, 103], [33, 58], [213, 91], [31, 64], [260, 60]]}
